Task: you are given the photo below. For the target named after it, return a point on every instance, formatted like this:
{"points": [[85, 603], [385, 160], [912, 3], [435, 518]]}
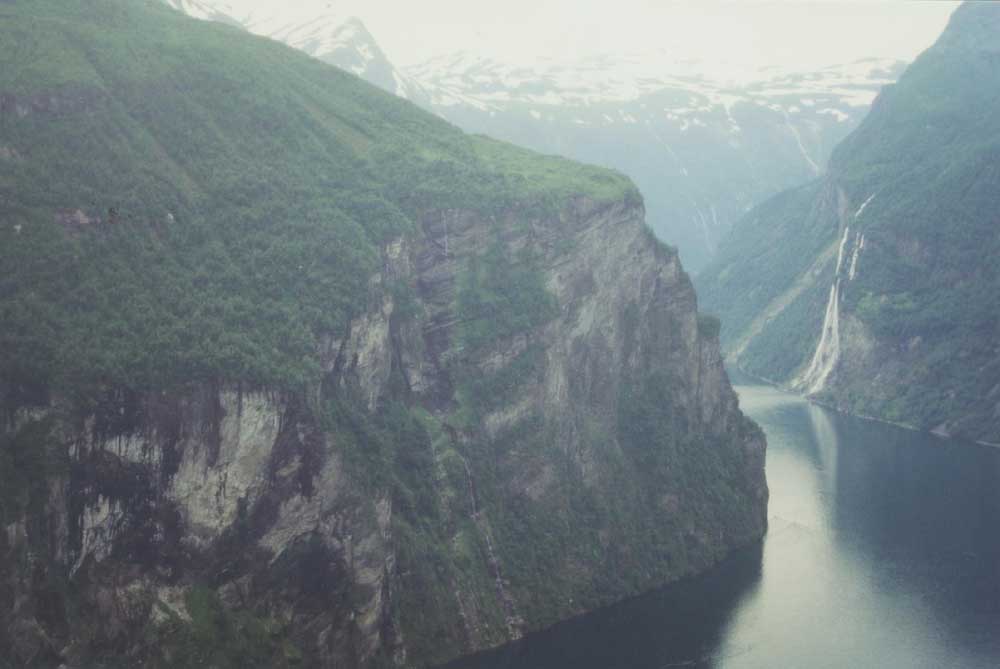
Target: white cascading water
{"points": [[828, 351], [864, 204], [859, 245]]}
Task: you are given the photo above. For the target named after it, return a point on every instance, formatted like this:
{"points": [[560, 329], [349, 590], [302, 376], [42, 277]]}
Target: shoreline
{"points": [[875, 419]]}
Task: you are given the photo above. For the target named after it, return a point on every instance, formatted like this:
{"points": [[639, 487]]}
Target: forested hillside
{"points": [[231, 194], [296, 374], [905, 232]]}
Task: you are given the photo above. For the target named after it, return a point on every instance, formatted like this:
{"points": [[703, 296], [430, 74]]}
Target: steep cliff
{"points": [[875, 289], [295, 374]]}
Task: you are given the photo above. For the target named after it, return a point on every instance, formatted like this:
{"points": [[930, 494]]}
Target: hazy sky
{"points": [[765, 33]]}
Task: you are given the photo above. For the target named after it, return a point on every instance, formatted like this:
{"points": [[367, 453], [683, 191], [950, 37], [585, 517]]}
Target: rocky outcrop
{"points": [[342, 386], [217, 486], [432, 498]]}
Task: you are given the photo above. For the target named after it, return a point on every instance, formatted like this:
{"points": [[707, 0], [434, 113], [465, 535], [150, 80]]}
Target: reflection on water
{"points": [[649, 631], [883, 551]]}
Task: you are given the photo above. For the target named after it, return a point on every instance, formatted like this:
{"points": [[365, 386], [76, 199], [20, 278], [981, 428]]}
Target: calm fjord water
{"points": [[883, 551]]}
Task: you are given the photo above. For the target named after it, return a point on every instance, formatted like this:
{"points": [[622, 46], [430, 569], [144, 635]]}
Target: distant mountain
{"points": [[210, 11], [877, 287], [703, 141], [332, 37]]}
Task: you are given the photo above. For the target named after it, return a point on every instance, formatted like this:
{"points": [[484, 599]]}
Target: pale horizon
{"points": [[789, 35]]}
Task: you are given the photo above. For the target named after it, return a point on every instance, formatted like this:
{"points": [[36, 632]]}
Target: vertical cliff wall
{"points": [[444, 494], [295, 374]]}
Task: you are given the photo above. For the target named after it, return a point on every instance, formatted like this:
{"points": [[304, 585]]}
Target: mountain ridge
{"points": [[659, 118]]}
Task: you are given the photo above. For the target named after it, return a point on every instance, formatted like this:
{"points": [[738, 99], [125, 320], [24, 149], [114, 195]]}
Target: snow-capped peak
{"points": [[324, 33], [625, 78], [208, 10], [470, 80]]}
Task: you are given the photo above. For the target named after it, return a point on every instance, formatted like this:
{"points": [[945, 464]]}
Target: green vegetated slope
{"points": [[210, 244], [182, 204], [920, 320], [237, 194]]}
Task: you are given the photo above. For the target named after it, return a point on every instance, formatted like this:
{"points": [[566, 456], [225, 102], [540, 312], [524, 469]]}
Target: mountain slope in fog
{"points": [[876, 288]]}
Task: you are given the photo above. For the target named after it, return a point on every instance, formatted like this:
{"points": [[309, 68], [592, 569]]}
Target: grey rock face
{"points": [[257, 498]]}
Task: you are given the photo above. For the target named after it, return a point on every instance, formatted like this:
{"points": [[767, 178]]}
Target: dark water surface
{"points": [[883, 551]]}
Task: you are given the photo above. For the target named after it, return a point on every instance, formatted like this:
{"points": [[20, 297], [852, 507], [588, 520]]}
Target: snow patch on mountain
{"points": [[324, 33], [207, 11], [598, 79], [483, 84]]}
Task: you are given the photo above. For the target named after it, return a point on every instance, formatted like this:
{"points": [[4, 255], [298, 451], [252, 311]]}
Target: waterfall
{"points": [[802, 147], [859, 245], [827, 352], [840, 253], [863, 205]]}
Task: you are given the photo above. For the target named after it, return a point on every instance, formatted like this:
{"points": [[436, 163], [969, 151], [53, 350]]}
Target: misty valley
{"points": [[347, 334]]}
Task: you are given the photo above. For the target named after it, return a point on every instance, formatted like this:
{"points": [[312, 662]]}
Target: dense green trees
{"points": [[253, 188]]}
